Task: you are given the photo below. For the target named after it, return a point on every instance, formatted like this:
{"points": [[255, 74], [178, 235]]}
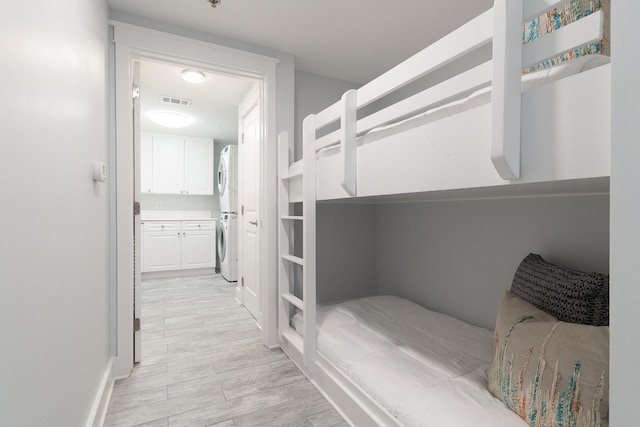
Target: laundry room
{"points": [[188, 183]]}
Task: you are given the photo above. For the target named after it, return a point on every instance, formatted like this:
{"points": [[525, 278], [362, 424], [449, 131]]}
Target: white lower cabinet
{"points": [[161, 251], [178, 245], [198, 249]]}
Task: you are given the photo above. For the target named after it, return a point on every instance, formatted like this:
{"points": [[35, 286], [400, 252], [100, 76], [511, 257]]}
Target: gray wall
{"points": [[314, 93], [346, 246], [54, 296], [458, 257]]}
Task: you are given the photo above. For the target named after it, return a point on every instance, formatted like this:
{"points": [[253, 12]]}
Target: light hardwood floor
{"points": [[203, 364]]}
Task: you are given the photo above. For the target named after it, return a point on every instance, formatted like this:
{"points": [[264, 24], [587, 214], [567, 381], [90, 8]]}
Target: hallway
{"points": [[203, 364]]}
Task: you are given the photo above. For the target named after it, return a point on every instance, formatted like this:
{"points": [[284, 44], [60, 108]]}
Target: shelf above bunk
{"points": [[293, 218]]}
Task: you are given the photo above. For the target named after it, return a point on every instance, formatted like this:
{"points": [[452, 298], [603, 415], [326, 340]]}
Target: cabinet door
{"points": [[198, 249], [146, 163], [168, 164], [198, 166], [162, 251]]}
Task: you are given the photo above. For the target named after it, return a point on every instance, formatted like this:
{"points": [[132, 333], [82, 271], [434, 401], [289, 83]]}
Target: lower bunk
{"points": [[386, 361]]}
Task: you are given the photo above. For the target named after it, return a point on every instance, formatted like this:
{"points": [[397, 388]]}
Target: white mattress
{"points": [[425, 368], [478, 98]]}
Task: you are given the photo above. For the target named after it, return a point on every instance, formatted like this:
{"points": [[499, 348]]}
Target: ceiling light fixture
{"points": [[214, 3], [193, 76], [169, 119]]}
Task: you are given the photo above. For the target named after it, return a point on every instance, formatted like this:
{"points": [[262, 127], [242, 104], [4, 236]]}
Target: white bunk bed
{"points": [[476, 134]]}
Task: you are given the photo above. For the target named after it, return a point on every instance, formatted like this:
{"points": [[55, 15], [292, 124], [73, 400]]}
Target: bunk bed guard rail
{"points": [[502, 26]]}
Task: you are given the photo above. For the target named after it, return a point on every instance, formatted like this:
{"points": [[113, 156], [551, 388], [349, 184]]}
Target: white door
{"points": [[251, 142], [198, 166], [137, 226]]}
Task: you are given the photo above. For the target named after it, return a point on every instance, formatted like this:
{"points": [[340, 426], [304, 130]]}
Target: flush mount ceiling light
{"points": [[193, 76], [169, 119], [214, 3]]}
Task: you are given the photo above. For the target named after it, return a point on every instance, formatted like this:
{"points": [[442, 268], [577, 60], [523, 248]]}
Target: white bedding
{"points": [[478, 98], [423, 367]]}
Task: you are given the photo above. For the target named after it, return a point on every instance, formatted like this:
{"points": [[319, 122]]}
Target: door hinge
{"points": [[242, 282], [136, 208], [242, 210], [135, 94], [243, 137]]}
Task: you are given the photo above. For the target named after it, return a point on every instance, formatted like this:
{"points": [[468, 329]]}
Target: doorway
{"points": [[136, 44], [188, 167]]}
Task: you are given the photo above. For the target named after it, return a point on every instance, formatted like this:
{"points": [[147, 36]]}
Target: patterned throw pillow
{"points": [[550, 373], [569, 295], [558, 18]]}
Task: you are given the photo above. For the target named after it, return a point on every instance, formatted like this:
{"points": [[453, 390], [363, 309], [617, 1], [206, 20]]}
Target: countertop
{"points": [[159, 215]]}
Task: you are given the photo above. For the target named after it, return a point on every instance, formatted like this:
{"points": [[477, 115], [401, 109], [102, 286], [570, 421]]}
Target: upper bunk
{"points": [[491, 129]]}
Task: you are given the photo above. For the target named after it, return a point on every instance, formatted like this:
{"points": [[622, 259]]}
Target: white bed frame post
{"points": [[348, 149], [309, 240], [506, 96]]}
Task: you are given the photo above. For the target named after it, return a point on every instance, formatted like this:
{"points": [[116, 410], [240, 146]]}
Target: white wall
{"points": [[180, 202], [458, 257], [625, 214], [54, 309]]}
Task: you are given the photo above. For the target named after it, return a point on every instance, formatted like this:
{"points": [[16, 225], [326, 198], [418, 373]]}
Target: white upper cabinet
{"points": [[168, 165], [198, 164], [172, 164]]}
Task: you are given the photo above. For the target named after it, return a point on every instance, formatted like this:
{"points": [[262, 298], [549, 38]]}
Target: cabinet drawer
{"points": [[161, 226], [198, 225]]}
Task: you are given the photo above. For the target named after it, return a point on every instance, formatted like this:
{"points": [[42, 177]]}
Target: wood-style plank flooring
{"points": [[203, 364]]}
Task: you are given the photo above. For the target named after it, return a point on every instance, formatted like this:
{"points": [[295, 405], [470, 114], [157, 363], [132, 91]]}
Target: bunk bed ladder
{"points": [[288, 301]]}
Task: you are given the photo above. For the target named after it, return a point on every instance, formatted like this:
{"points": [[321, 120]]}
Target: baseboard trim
{"points": [[101, 402], [151, 275]]}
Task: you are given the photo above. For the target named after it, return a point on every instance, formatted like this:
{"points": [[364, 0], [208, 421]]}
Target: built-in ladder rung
{"points": [[293, 218], [293, 300], [293, 259], [291, 176]]}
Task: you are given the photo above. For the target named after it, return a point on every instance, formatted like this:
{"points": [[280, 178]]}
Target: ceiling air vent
{"points": [[175, 101]]}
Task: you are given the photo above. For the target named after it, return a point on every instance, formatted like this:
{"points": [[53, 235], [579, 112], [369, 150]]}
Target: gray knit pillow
{"points": [[569, 295]]}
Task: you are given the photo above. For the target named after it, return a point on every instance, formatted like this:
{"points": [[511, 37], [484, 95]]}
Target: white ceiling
{"points": [[352, 40], [214, 104]]}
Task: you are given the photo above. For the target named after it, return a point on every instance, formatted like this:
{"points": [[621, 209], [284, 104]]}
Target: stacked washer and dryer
{"points": [[228, 224]]}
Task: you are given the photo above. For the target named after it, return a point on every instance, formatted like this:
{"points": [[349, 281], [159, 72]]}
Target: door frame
{"points": [[133, 42]]}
